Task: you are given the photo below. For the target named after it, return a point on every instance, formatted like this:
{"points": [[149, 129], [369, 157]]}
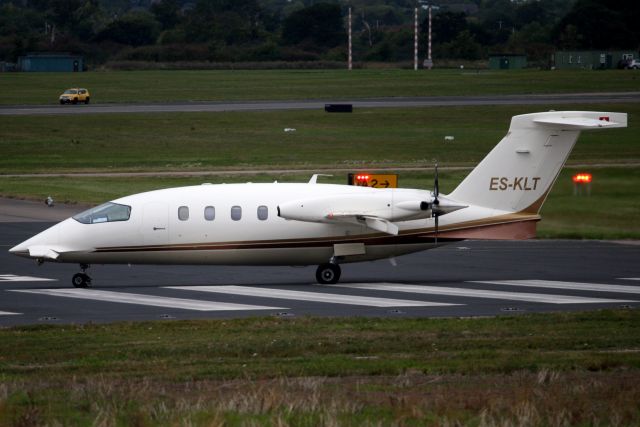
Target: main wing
{"points": [[378, 210]]}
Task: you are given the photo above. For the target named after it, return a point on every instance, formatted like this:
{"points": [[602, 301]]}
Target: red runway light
{"points": [[582, 178]]}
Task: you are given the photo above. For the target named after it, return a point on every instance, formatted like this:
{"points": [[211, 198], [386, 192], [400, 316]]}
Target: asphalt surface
{"points": [[471, 278], [435, 101]]}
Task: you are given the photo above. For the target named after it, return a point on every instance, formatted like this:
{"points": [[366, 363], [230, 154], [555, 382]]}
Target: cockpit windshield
{"points": [[108, 212]]}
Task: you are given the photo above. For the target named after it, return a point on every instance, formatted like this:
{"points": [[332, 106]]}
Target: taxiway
{"points": [[399, 102], [471, 278]]}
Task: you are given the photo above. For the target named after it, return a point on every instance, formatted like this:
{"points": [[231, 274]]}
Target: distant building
{"points": [[591, 59], [7, 66], [507, 61], [43, 62]]}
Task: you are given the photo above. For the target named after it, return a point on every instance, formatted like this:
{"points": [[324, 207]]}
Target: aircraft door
{"points": [[155, 224]]}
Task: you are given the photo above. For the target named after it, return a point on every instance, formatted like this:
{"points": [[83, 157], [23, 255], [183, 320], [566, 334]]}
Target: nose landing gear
{"points": [[81, 280]]}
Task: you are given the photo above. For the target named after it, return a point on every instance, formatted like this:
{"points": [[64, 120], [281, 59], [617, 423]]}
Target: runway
{"points": [[470, 278], [399, 102]]}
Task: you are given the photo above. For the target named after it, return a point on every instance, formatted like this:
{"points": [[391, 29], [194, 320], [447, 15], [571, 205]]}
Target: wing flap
{"points": [[382, 225], [372, 222]]}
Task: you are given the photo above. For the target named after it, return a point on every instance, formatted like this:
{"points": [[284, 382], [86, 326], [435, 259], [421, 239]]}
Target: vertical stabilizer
{"points": [[519, 172]]}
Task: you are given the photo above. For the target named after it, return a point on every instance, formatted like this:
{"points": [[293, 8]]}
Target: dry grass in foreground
{"points": [[537, 370], [521, 398]]}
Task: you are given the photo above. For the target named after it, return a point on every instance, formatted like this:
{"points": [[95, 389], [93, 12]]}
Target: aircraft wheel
{"points": [[81, 280], [328, 274]]}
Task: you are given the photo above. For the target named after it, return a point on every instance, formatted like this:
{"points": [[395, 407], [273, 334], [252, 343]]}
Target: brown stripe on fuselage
{"points": [[449, 233]]}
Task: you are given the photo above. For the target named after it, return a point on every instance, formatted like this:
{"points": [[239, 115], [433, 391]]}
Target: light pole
{"points": [[415, 40], [428, 63], [350, 46]]}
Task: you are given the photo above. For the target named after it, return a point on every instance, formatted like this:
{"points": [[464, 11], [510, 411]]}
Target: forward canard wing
{"points": [[43, 252]]}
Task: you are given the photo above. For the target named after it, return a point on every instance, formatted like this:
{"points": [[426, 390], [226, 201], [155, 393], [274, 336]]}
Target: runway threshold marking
{"points": [[7, 313], [150, 300], [311, 296], [578, 286], [478, 293], [14, 278]]}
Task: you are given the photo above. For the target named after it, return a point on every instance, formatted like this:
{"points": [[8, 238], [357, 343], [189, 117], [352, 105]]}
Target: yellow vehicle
{"points": [[75, 95]]}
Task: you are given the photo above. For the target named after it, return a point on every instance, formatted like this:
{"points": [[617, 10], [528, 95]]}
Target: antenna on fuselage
{"points": [[314, 178]]}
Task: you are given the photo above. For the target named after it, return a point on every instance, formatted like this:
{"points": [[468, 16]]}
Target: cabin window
{"points": [[263, 213], [209, 213], [236, 213], [108, 212], [183, 213]]}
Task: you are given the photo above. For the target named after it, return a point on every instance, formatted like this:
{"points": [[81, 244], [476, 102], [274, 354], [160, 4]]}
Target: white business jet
{"points": [[324, 224]]}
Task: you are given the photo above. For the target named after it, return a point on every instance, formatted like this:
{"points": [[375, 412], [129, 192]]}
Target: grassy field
{"points": [[239, 140], [551, 369], [162, 86], [523, 370]]}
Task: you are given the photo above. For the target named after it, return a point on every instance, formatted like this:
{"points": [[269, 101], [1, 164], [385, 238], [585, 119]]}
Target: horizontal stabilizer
{"points": [[579, 123]]}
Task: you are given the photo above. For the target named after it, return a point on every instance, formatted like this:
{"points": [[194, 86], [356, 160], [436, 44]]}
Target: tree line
{"points": [[307, 30]]}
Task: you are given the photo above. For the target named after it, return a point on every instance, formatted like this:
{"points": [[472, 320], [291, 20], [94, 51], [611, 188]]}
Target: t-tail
{"points": [[515, 178]]}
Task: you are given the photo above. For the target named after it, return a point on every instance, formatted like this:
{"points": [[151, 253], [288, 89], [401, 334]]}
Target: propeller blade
{"points": [[436, 187], [436, 192], [437, 229]]}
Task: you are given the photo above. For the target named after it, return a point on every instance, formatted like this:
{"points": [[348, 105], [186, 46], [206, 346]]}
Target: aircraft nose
{"points": [[31, 248], [20, 249]]}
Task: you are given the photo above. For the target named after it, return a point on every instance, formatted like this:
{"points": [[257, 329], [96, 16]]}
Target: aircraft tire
{"points": [[80, 280], [328, 274]]}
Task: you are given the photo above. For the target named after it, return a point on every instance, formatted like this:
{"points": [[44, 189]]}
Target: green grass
{"points": [[205, 141], [169, 86], [309, 371]]}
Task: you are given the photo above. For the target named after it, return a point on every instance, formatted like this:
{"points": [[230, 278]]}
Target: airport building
{"points": [[507, 61], [592, 59], [52, 62]]}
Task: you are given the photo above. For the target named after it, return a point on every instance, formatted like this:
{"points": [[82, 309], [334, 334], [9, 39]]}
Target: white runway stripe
{"points": [[127, 298], [14, 278], [578, 286], [311, 296], [476, 293], [629, 278], [7, 313]]}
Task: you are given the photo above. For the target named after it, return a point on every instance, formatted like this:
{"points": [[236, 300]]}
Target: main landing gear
{"points": [[81, 280], [329, 273]]}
